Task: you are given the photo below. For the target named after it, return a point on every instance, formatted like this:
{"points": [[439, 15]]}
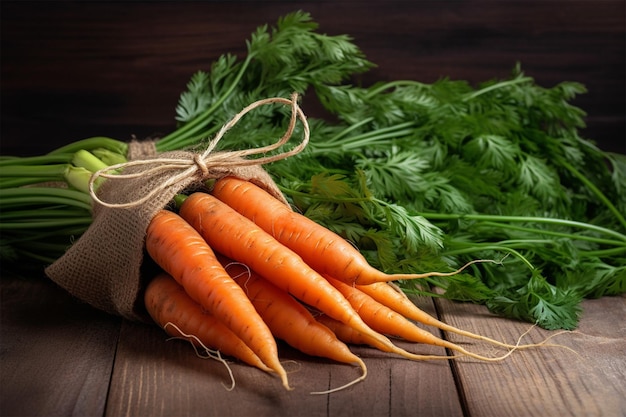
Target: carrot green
{"points": [[420, 177], [424, 177]]}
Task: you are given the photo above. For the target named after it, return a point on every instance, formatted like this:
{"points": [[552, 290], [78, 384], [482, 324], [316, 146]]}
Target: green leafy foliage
{"points": [[422, 176], [540, 302], [419, 177], [290, 57]]}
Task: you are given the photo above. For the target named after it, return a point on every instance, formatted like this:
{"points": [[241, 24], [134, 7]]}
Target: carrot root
{"points": [[234, 235], [389, 295], [352, 336], [210, 353], [172, 309], [291, 321], [349, 384], [386, 321], [184, 254], [282, 260], [322, 249]]}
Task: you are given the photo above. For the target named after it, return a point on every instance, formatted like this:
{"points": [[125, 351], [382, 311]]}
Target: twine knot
{"points": [[204, 169], [201, 164]]}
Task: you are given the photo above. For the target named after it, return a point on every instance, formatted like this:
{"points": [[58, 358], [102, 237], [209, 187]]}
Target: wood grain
{"points": [[77, 69], [62, 355], [57, 354], [160, 378], [548, 380]]}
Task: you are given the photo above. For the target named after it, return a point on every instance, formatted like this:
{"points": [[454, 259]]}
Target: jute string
{"points": [[106, 266], [200, 164]]}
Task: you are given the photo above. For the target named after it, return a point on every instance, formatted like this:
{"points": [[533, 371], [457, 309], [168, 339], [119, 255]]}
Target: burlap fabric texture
{"points": [[105, 266]]}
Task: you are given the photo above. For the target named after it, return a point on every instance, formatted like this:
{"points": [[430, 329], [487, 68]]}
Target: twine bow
{"points": [[200, 164]]}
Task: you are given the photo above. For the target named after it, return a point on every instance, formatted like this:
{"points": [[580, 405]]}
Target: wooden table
{"points": [[61, 357], [73, 70]]}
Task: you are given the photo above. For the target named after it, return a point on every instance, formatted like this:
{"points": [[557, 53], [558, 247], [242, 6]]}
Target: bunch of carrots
{"points": [[241, 269]]}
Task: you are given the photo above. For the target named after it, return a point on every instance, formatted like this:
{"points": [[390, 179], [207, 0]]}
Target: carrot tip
{"points": [[349, 384], [209, 353]]}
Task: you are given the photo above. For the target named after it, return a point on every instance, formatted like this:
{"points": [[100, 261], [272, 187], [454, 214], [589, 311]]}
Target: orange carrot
{"points": [[385, 320], [348, 334], [396, 300], [322, 249], [291, 321], [352, 336], [171, 308], [238, 238], [177, 248]]}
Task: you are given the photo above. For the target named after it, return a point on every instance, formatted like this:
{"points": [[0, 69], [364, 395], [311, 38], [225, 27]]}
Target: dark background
{"points": [[71, 70]]}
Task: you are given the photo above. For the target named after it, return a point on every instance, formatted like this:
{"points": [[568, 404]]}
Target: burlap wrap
{"points": [[105, 266]]}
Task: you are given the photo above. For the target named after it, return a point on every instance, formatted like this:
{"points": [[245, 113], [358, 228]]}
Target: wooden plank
{"points": [[160, 378], [117, 68], [547, 381], [57, 354]]}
